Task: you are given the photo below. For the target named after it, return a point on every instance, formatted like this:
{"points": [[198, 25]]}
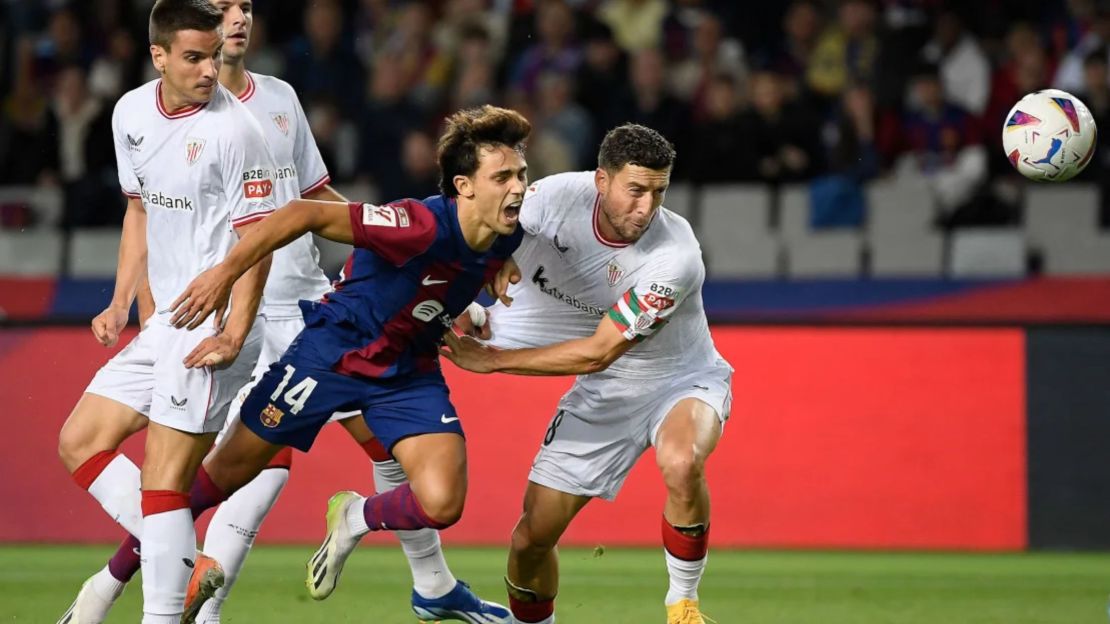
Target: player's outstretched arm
{"points": [[130, 271], [210, 290], [580, 356]]}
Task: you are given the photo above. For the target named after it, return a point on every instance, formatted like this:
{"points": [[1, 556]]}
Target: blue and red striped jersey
{"points": [[410, 274]]}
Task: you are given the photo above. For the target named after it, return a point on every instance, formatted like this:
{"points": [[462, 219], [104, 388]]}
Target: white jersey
{"points": [[295, 273], [572, 278], [200, 172]]}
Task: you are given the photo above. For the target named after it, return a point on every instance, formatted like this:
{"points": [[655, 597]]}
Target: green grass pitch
{"points": [[627, 586]]}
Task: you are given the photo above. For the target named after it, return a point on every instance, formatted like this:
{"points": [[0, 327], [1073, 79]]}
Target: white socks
{"points": [[168, 554], [431, 578], [684, 577], [106, 586], [233, 529], [118, 490]]}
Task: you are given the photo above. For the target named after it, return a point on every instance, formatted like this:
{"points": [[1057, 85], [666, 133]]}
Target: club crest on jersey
{"points": [[271, 416], [193, 148], [615, 273], [644, 321], [281, 120]]}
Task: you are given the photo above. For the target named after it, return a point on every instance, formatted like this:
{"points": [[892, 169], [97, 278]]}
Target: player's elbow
{"points": [[599, 359]]}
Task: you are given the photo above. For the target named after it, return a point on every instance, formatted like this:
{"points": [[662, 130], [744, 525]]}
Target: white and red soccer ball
{"points": [[1049, 136]]}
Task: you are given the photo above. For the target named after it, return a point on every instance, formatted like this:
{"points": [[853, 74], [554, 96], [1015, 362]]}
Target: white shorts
{"points": [[277, 335], [598, 433], [149, 377]]}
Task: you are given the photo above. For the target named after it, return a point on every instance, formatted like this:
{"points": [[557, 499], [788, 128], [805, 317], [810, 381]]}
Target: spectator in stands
{"points": [[636, 24], [645, 101], [87, 170], [418, 175], [555, 50], [1071, 74], [28, 148], [943, 145], [1096, 95], [782, 138], [389, 116], [265, 57], [604, 71], [472, 79], [712, 53], [790, 55], [320, 64], [465, 16], [964, 67], [849, 136], [720, 154], [425, 70], [63, 45], [846, 52], [118, 69], [558, 115]]}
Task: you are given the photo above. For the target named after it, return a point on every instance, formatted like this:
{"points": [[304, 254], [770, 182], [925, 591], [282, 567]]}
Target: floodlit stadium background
{"points": [[919, 334]]}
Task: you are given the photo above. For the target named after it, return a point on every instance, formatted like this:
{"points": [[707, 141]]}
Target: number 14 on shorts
{"points": [[298, 395]]}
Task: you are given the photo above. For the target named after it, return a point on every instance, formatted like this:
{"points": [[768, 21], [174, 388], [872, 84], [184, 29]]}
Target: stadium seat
{"points": [[94, 252], [899, 207], [794, 211], [734, 232], [1084, 255], [1058, 213], [825, 254], [919, 255], [31, 252], [987, 252], [680, 200], [1061, 222], [46, 202]]}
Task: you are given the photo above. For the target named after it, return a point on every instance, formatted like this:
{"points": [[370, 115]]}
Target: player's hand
{"points": [[499, 287], [108, 324], [207, 293], [467, 353], [473, 322], [217, 351]]}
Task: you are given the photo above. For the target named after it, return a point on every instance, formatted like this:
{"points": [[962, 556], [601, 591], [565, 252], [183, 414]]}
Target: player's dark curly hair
{"points": [[633, 144], [468, 131], [169, 16]]}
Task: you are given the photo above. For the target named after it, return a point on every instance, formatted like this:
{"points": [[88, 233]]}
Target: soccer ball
{"points": [[1049, 136]]}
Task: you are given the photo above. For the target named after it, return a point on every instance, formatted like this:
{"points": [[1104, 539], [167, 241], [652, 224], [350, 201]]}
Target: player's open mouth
{"points": [[239, 35], [512, 212]]}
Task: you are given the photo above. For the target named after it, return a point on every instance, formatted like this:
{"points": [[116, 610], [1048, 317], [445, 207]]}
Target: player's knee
{"points": [[527, 540], [73, 449], [444, 507], [682, 469]]}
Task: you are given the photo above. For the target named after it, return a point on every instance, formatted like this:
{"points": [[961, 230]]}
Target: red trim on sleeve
{"points": [[317, 185], [131, 195], [161, 501], [251, 218]]}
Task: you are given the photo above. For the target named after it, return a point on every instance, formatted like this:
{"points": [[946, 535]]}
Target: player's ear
{"points": [[158, 56], [464, 185], [601, 180]]}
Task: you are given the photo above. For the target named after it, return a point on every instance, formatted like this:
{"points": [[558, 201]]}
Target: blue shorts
{"points": [[296, 397]]}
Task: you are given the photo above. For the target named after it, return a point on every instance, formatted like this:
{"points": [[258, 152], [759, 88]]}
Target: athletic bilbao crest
{"points": [[271, 416], [615, 272], [193, 148], [281, 120]]}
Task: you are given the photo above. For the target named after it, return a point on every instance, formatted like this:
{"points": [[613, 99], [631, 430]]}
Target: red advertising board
{"points": [[839, 438]]}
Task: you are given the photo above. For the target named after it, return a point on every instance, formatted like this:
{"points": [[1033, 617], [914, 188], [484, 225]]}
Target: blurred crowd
{"points": [[830, 92]]}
